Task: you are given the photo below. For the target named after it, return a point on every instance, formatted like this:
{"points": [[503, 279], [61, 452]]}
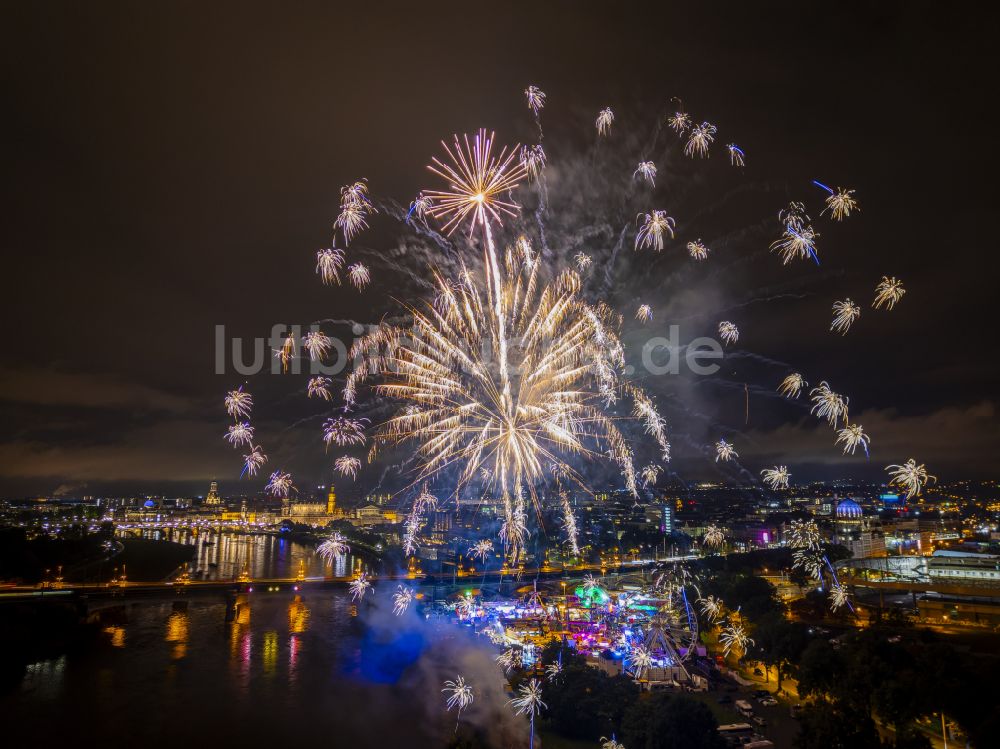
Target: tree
{"points": [[666, 721], [585, 703], [827, 725], [779, 643], [820, 669]]}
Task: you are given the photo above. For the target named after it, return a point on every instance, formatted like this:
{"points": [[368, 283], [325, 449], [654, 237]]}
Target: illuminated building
{"points": [[863, 536], [212, 498]]}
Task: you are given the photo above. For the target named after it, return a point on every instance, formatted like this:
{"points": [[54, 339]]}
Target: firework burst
{"points": [[333, 547], [792, 385], [536, 99], [655, 226], [459, 695], [910, 476], [476, 181], [360, 275], [342, 431], [644, 313], [319, 387], [604, 119], [839, 202], [240, 433], [328, 265], [725, 451], [711, 607], [481, 402], [359, 586], [736, 155], [647, 171], [253, 460], [317, 344], [679, 122], [734, 637], [280, 485], [401, 600], [844, 313], [776, 478], [700, 138], [828, 404], [888, 292], [347, 466], [238, 403], [714, 537], [852, 436], [728, 332], [697, 250]]}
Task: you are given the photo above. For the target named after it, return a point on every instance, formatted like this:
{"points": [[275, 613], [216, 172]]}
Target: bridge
{"points": [[244, 583]]}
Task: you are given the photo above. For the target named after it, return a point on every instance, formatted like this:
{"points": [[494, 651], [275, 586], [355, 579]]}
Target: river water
{"points": [[310, 668], [223, 556]]}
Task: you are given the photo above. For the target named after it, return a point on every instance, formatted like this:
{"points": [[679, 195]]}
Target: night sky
{"points": [[174, 166]]}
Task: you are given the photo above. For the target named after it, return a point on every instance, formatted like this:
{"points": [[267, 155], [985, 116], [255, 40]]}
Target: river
{"points": [[222, 556], [309, 668]]}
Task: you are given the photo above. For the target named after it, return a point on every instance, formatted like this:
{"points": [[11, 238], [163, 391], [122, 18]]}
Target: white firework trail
{"points": [[700, 138], [401, 600], [332, 547], [604, 119], [240, 433], [828, 404], [280, 485], [888, 292], [725, 451], [359, 586], [910, 476], [697, 250], [839, 202], [644, 313], [328, 265], [317, 344], [711, 607], [728, 331], [647, 171], [792, 385], [569, 524], [238, 403], [736, 155], [776, 478], [655, 226], [844, 314], [360, 275], [319, 387], [342, 431], [536, 98], [253, 460], [347, 466], [852, 436]]}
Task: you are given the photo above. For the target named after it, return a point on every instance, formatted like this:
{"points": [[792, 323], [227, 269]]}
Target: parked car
{"points": [[760, 721], [769, 702]]}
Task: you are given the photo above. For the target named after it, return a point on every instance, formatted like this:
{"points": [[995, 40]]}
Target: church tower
{"points": [[213, 494], [331, 501]]}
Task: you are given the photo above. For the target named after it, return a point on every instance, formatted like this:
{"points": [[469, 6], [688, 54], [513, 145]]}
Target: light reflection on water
{"points": [[224, 556], [183, 656], [261, 669]]}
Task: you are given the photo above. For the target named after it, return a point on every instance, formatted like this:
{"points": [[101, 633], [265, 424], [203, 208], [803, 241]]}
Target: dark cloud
{"points": [[174, 167]]}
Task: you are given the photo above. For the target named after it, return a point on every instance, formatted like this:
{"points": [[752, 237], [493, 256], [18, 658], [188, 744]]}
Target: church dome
{"points": [[848, 508]]}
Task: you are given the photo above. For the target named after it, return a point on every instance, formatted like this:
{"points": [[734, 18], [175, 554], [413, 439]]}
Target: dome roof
{"points": [[848, 508]]}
